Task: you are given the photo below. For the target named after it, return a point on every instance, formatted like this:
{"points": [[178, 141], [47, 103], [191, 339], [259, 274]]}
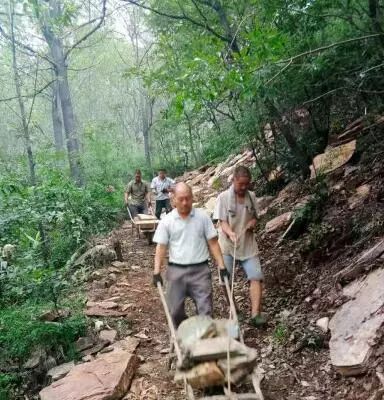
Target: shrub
{"points": [[21, 332]]}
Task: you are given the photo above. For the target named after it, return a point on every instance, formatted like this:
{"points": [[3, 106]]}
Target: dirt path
{"points": [[132, 289], [291, 372]]}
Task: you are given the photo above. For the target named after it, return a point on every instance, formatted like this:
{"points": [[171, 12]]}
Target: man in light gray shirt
{"points": [[189, 235], [161, 186]]}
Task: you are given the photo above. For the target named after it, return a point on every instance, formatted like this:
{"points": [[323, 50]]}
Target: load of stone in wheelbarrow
{"points": [[212, 353]]}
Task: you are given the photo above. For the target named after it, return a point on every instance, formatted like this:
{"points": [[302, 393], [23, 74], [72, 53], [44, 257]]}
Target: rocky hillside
{"points": [[322, 248]]}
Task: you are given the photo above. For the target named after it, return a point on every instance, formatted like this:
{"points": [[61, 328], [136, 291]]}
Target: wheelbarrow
{"points": [[145, 224], [229, 395]]}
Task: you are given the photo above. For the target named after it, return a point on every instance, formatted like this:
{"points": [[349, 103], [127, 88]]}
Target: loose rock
{"points": [[60, 371], [323, 323], [108, 335], [83, 343], [279, 222], [106, 378]]}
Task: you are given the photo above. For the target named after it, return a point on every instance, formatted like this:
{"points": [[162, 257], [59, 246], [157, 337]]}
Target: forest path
{"points": [[130, 285], [293, 368], [134, 292]]}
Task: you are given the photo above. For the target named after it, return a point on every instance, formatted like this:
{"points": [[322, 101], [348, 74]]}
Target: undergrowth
{"points": [[308, 216], [21, 332], [281, 333]]}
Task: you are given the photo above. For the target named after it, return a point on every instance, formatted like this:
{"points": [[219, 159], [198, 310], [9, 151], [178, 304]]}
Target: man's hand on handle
{"points": [[251, 225], [232, 236], [224, 274], [157, 279]]}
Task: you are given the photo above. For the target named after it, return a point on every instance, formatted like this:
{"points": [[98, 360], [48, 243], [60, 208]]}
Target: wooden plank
{"points": [[146, 222], [146, 217]]}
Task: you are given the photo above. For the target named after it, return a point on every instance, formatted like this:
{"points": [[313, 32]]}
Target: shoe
{"points": [[258, 321]]}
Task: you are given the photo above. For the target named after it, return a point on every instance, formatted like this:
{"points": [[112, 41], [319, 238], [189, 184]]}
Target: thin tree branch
{"points": [[327, 47], [35, 94], [320, 49], [29, 95], [323, 95], [91, 32], [199, 10], [29, 49], [183, 17], [280, 72]]}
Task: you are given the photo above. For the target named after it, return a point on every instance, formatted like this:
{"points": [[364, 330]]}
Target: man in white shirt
{"points": [[161, 187], [190, 236]]}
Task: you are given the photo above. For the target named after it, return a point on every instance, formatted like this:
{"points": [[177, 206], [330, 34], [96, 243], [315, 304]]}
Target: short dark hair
{"points": [[137, 172], [162, 170], [241, 171]]}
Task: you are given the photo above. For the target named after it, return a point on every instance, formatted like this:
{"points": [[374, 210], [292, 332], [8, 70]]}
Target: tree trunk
{"points": [[23, 115], [298, 153], [56, 119], [69, 125], [56, 48], [231, 37], [190, 137], [375, 15], [25, 125], [147, 120], [285, 127]]}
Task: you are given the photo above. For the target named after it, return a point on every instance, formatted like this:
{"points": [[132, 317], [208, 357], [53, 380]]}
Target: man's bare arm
{"points": [[228, 230], [215, 250], [251, 224], [149, 198], [161, 252]]}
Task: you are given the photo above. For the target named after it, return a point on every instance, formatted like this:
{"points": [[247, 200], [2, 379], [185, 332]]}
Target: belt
{"points": [[199, 264]]}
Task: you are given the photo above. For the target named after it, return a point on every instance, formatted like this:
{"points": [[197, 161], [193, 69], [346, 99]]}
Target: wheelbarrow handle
{"points": [[171, 326], [233, 308]]}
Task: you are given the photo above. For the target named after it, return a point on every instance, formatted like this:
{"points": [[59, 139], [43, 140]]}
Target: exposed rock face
{"points": [[356, 324], [323, 324], [332, 159], [96, 256], [108, 335], [279, 222], [103, 312], [361, 194], [60, 371]]}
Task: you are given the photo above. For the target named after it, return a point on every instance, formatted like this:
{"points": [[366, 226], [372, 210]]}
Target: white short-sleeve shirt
{"points": [[159, 185], [186, 238]]}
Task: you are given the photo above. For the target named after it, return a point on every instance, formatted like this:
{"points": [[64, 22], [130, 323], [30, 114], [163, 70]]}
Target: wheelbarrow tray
{"points": [[146, 225]]}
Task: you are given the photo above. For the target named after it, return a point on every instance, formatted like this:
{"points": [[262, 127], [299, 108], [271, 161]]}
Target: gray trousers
{"points": [[192, 281]]}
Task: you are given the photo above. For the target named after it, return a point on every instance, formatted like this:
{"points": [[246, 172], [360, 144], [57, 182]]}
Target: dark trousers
{"points": [[193, 281], [160, 204], [137, 209]]}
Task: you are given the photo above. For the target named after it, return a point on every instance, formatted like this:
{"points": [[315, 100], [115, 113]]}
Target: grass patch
{"points": [[7, 381], [281, 333], [21, 332]]}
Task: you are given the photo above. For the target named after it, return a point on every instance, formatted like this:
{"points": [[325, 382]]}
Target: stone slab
{"points": [[202, 375], [357, 323], [106, 378]]}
